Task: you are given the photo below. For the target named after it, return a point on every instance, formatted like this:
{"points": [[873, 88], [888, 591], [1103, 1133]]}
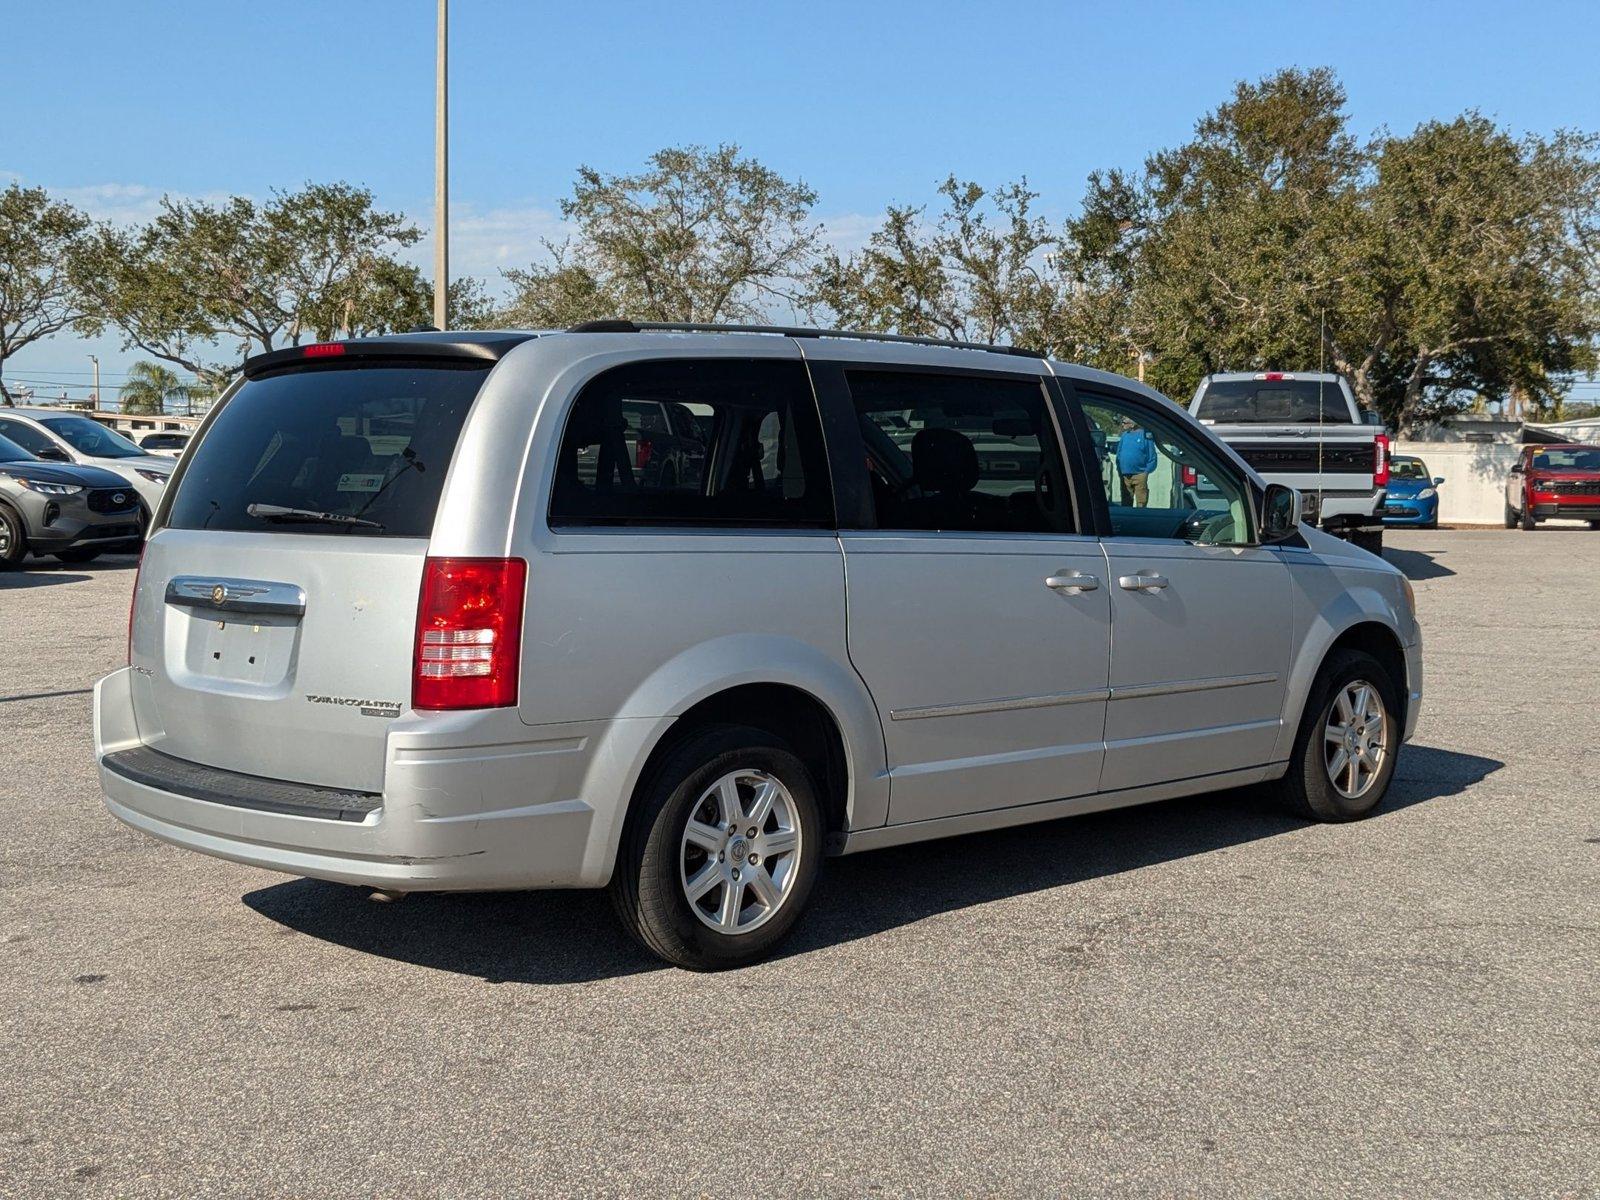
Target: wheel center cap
{"points": [[737, 850]]}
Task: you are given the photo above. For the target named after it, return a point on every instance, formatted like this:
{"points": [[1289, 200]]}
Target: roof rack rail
{"points": [[798, 331]]}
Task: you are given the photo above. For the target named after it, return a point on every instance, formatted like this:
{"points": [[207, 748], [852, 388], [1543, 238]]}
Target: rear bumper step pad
{"points": [[153, 769]]}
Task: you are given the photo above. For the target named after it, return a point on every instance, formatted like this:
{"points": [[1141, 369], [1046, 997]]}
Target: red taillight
{"points": [[1380, 468], [643, 453], [1191, 477], [469, 633], [1274, 375], [134, 599], [324, 350]]}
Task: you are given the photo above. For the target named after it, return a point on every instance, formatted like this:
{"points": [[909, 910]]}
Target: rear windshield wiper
{"points": [[279, 512]]}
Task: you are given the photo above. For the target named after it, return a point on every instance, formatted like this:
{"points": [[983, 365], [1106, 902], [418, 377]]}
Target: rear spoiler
{"points": [[482, 347]]}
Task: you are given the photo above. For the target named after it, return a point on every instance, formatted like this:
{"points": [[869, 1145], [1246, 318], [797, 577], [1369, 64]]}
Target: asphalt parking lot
{"points": [[1203, 997]]}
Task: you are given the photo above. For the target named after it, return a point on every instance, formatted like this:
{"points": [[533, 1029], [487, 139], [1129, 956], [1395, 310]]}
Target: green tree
{"points": [[40, 242], [1424, 267], [977, 271], [205, 277], [698, 235], [153, 389]]}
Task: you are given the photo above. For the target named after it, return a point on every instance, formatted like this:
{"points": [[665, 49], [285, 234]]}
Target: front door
{"points": [[1202, 615], [979, 616]]}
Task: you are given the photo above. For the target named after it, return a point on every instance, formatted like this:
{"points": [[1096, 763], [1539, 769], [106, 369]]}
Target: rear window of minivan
{"points": [[369, 443]]}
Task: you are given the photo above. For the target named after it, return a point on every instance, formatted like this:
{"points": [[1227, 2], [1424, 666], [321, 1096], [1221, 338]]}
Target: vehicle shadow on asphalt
{"points": [[43, 572], [571, 937], [1415, 564]]}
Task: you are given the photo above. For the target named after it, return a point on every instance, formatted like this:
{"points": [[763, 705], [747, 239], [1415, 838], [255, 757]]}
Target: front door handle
{"points": [[1144, 581], [1073, 583]]}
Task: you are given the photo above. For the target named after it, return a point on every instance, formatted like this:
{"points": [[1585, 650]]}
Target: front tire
{"points": [[1511, 516], [1528, 523], [1349, 738], [13, 539], [720, 856]]}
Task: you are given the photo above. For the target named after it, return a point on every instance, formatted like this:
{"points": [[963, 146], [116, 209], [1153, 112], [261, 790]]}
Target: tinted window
{"points": [[1163, 480], [1284, 401], [745, 447], [163, 441], [372, 442], [90, 437], [26, 436], [961, 453], [1407, 468]]}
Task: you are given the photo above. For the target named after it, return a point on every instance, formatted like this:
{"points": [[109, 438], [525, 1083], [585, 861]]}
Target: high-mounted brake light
{"points": [[1274, 375], [1380, 470], [469, 633], [324, 350]]}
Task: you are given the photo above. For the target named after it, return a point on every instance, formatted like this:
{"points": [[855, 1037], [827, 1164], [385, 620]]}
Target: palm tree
{"points": [[151, 387]]}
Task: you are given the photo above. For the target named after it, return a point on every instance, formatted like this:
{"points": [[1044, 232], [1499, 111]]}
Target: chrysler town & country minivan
{"points": [[428, 612]]}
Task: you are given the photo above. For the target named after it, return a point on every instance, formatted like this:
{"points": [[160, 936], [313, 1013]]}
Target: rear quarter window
{"points": [[367, 442]]}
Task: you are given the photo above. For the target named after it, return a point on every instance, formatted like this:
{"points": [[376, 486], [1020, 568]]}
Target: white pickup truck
{"points": [[1306, 430]]}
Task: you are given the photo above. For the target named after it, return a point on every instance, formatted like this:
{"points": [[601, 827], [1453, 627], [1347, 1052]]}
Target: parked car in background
{"points": [[1554, 481], [75, 513], [168, 444], [1306, 430], [69, 437], [1413, 494], [414, 618]]}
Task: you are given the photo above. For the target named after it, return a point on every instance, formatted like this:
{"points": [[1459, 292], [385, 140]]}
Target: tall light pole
{"points": [[441, 176], [95, 359]]}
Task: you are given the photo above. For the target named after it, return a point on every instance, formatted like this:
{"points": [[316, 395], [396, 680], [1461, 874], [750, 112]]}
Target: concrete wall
{"points": [[1475, 477]]}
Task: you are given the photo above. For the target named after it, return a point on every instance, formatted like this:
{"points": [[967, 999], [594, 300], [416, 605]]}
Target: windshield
{"points": [[11, 452], [371, 443], [1575, 459], [1407, 468], [90, 437], [1275, 401]]}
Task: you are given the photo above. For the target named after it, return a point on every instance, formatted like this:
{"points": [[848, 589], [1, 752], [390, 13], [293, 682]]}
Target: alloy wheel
{"points": [[1355, 739], [739, 855]]}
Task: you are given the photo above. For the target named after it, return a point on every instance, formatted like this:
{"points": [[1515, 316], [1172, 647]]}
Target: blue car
{"points": [[1413, 497]]}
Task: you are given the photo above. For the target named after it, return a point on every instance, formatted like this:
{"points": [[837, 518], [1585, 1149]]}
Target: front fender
{"points": [[1333, 601], [703, 671]]}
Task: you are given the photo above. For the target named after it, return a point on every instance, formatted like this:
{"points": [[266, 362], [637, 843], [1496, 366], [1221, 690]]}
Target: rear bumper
{"points": [[459, 811]]}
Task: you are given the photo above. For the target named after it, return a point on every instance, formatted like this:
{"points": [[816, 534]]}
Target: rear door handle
{"points": [[1073, 582], [1144, 581]]}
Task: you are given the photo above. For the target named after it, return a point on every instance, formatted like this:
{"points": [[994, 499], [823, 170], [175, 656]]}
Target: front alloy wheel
{"points": [[1355, 739], [1349, 738]]}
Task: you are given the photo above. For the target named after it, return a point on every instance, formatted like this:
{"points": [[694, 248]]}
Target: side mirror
{"points": [[1280, 514], [51, 454], [1516, 468], [1437, 480]]}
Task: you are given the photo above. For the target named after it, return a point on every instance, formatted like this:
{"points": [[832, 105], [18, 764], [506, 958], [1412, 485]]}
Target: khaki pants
{"points": [[1138, 487]]}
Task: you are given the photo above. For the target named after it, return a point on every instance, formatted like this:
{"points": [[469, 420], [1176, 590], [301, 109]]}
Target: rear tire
{"points": [[78, 556], [690, 835], [13, 539], [1319, 784]]}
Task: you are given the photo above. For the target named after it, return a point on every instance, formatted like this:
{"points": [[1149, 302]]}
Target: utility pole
{"points": [[441, 176], [95, 399]]}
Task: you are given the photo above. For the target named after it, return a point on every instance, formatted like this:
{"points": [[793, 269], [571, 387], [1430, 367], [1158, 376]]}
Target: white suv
{"points": [[418, 613]]}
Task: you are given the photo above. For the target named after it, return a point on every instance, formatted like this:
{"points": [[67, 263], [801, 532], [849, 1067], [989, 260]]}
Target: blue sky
{"points": [[113, 104]]}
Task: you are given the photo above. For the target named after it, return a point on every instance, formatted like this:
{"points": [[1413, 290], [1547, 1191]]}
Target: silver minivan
{"points": [[684, 611]]}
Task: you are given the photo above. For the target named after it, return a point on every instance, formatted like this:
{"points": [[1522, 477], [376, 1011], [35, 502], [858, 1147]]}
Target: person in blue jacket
{"points": [[1136, 458]]}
